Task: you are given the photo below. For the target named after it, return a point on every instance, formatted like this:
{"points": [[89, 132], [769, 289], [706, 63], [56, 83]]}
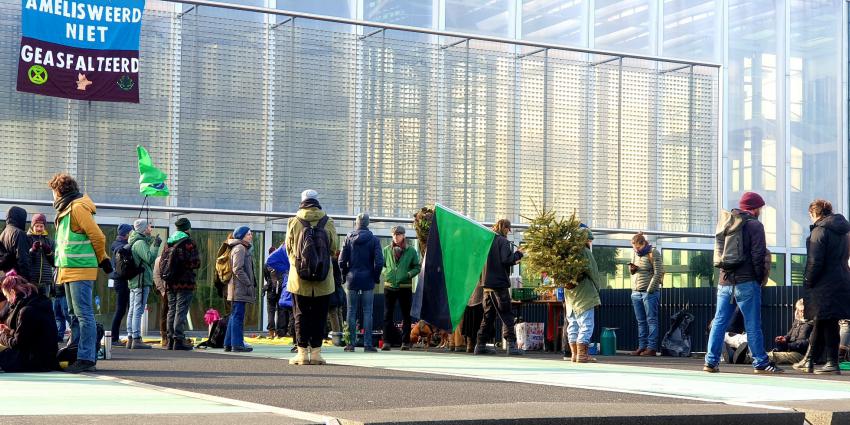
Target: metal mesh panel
{"points": [[243, 114]]}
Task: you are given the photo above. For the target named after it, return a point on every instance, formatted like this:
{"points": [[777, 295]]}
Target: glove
{"points": [[36, 246], [106, 265], [157, 241]]}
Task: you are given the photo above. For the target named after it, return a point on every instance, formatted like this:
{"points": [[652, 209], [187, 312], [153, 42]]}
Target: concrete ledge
{"points": [[574, 413], [822, 412]]}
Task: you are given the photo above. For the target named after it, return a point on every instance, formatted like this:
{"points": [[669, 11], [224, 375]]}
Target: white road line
{"points": [[262, 408]]}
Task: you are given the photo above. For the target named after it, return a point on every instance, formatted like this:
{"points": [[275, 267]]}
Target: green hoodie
{"points": [[177, 237], [145, 251], [399, 274]]}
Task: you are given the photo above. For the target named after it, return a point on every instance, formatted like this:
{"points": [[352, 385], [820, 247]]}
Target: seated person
{"points": [[736, 350], [791, 347], [29, 332]]}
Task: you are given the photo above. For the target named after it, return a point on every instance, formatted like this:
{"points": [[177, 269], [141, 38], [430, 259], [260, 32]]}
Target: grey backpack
{"points": [[729, 249]]}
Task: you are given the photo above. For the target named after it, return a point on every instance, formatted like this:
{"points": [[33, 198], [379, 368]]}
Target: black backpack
{"points": [[312, 253], [216, 336], [677, 340], [170, 268], [125, 265]]}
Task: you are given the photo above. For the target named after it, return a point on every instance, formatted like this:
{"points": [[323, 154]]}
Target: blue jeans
{"points": [[646, 313], [580, 327], [356, 299], [60, 310], [234, 336], [748, 297], [83, 326], [138, 301]]}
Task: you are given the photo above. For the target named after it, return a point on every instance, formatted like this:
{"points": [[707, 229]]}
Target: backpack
{"points": [[312, 253], [729, 241], [677, 340], [223, 268], [125, 265], [216, 336], [170, 268]]}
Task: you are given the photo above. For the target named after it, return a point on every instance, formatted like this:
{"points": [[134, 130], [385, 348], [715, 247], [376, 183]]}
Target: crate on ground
{"points": [[523, 294]]}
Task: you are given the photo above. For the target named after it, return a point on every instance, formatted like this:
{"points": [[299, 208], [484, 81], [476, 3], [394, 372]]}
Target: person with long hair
{"points": [[826, 289], [29, 333]]}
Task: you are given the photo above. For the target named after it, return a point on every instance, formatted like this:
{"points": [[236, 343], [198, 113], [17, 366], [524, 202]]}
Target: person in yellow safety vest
{"points": [[80, 251]]}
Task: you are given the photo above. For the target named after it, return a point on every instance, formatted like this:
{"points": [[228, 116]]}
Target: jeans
{"points": [[234, 336], [138, 301], [83, 326], [356, 299], [404, 296], [178, 309], [121, 306], [311, 315], [60, 310], [844, 332], [748, 297], [646, 313], [580, 326]]}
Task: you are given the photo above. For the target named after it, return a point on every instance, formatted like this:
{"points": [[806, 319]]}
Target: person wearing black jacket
{"points": [[41, 252], [743, 284], [495, 280], [122, 290], [14, 244], [791, 346], [29, 332], [826, 289]]}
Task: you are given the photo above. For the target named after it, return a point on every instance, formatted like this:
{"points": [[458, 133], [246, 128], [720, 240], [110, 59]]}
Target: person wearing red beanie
{"points": [[741, 283]]}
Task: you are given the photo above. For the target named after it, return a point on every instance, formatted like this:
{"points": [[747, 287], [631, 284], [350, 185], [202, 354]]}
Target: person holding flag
{"points": [[497, 293]]}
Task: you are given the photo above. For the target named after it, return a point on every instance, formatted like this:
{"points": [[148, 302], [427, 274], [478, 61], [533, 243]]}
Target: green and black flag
{"points": [[456, 253], [151, 179]]}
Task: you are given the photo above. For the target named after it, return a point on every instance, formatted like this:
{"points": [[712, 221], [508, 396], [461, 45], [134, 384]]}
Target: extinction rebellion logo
{"points": [[126, 83], [37, 75]]}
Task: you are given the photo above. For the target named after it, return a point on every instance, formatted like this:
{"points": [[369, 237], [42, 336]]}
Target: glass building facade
{"points": [[244, 110]]}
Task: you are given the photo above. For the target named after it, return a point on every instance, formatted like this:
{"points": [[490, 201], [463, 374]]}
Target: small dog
{"points": [[423, 332]]}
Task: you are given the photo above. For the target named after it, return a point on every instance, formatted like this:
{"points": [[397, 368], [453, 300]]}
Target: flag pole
{"points": [[142, 208]]}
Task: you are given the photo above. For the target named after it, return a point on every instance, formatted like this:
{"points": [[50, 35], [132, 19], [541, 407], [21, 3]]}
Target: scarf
{"points": [[32, 232], [646, 250], [66, 199], [398, 249], [310, 203]]}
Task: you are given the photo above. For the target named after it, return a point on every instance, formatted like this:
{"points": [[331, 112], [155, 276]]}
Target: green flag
{"points": [[151, 179], [456, 254]]}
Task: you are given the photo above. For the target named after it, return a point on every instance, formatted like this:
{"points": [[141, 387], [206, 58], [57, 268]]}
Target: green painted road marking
{"points": [[723, 387], [88, 395]]}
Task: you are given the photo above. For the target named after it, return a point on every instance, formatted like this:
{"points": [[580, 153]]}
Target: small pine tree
{"points": [[556, 246]]}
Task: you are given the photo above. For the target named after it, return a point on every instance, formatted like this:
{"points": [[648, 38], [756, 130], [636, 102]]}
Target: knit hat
{"points": [[140, 225], [750, 201], [39, 218], [124, 229], [309, 194], [240, 232], [183, 224], [362, 221], [398, 230]]}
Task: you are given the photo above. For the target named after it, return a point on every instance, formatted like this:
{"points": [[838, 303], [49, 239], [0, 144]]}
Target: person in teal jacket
{"points": [[401, 265], [579, 304], [145, 250]]}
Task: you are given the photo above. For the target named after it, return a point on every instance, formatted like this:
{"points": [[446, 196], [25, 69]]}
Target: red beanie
{"points": [[750, 201], [39, 218]]}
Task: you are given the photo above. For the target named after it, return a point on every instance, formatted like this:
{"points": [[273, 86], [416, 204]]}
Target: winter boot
{"points": [[138, 344], [165, 343], [316, 356], [806, 365], [470, 347], [170, 343], [513, 350], [574, 352], [182, 344], [129, 342], [583, 357], [300, 358], [272, 334]]}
